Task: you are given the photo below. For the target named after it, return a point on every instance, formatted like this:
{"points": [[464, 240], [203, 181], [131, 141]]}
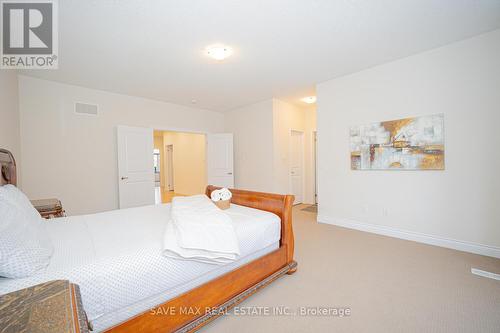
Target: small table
{"points": [[54, 307], [49, 208]]}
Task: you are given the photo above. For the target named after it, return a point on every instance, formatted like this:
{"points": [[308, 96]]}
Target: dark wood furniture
{"points": [[188, 312], [49, 208], [8, 173], [51, 307]]}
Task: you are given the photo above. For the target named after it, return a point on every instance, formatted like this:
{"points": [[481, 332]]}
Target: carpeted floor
{"points": [[310, 208], [389, 285]]}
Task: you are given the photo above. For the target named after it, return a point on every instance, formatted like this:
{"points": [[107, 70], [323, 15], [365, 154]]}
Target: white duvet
{"points": [[200, 231], [116, 259]]}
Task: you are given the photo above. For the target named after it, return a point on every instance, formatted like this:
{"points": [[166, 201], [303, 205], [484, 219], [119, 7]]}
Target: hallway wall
{"points": [[189, 159]]}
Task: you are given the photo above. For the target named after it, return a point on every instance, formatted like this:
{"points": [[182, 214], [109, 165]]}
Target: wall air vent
{"points": [[86, 109]]}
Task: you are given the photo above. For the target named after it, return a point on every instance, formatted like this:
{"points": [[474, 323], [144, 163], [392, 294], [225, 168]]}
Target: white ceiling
{"points": [[282, 48]]}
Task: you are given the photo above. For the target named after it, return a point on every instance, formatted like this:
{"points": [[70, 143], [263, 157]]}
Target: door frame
{"points": [[315, 165], [302, 162], [169, 166]]}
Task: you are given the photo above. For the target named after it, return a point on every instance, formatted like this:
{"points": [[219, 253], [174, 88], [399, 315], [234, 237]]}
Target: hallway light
{"points": [[309, 99]]}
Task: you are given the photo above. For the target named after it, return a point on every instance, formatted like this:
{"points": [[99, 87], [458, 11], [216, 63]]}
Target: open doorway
{"points": [[196, 160], [156, 165], [182, 164]]}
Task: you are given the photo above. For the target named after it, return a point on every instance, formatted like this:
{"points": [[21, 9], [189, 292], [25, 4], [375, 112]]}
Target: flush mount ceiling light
{"points": [[309, 99], [218, 51]]}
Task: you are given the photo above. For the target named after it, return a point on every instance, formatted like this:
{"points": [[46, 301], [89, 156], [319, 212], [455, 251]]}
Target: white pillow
{"points": [[25, 246], [13, 195]]}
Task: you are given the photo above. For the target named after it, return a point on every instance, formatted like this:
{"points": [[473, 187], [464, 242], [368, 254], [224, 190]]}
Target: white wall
{"points": [[9, 114], [262, 145], [73, 157], [252, 127], [286, 117], [461, 80]]}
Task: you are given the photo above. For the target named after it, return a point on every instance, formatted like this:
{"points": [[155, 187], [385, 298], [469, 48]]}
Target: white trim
{"points": [[180, 130], [303, 165], [314, 135], [485, 274], [485, 250], [169, 166]]}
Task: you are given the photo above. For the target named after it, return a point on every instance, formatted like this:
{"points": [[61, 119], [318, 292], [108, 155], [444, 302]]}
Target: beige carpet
{"points": [[390, 285]]}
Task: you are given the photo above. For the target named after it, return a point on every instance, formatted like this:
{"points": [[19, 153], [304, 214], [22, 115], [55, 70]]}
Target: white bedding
{"points": [[200, 231], [115, 258]]}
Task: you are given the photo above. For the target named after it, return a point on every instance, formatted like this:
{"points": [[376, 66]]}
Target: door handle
{"points": [[229, 173], [123, 178]]}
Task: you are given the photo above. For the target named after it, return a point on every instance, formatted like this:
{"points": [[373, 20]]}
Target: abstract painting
{"points": [[405, 144]]}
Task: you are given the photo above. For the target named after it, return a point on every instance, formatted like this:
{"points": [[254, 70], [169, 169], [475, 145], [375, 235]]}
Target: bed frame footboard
{"points": [[197, 307], [278, 204]]}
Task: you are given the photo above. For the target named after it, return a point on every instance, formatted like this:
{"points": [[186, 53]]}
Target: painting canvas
{"points": [[405, 144]]}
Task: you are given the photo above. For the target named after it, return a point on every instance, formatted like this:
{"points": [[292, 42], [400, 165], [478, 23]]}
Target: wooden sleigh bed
{"points": [[188, 311], [228, 290]]}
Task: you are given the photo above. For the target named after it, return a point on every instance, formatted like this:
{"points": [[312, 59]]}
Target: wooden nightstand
{"points": [[54, 307], [49, 208]]}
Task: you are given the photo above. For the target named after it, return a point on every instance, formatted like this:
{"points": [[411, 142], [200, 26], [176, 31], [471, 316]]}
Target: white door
{"points": [[297, 165], [169, 153], [220, 159], [136, 182]]}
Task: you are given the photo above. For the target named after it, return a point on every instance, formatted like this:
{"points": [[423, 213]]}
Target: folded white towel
{"points": [[222, 194], [200, 231]]}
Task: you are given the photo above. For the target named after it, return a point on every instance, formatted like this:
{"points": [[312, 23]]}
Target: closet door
{"points": [[220, 159]]}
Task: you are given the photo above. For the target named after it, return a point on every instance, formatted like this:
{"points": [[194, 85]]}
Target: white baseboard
{"points": [[485, 250]]}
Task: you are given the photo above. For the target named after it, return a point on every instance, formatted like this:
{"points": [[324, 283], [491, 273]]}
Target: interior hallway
{"points": [[390, 285]]}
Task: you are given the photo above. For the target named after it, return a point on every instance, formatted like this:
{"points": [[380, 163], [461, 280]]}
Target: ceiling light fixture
{"points": [[218, 51], [309, 99]]}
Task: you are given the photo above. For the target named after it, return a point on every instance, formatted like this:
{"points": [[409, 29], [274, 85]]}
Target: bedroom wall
{"points": [[262, 143], [252, 127], [286, 117], [189, 159], [73, 157], [9, 114], [458, 207]]}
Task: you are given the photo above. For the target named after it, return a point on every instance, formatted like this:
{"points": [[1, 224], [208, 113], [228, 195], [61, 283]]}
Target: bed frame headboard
{"points": [[7, 168]]}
